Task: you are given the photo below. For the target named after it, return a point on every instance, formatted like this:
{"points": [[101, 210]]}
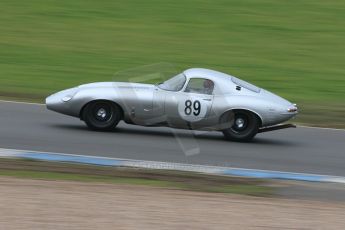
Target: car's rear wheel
{"points": [[101, 115], [244, 128]]}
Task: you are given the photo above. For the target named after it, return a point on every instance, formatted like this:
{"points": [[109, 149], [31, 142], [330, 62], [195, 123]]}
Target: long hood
{"points": [[117, 85]]}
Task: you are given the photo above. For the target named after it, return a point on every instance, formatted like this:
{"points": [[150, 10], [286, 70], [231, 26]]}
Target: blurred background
{"points": [[293, 48]]}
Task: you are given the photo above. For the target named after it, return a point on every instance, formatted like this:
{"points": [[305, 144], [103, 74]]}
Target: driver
{"points": [[208, 86]]}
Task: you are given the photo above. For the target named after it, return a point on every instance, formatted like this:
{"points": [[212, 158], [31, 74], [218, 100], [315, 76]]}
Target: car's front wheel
{"points": [[244, 128], [101, 115]]}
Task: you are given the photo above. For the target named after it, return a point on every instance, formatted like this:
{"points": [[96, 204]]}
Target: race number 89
{"points": [[192, 107]]}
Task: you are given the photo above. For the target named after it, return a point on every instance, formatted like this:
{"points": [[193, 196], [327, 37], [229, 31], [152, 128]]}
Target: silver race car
{"points": [[198, 99]]}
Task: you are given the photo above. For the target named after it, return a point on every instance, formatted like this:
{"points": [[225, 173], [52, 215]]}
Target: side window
{"points": [[200, 85]]}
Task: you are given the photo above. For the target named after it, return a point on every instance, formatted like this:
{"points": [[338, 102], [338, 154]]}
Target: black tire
{"points": [[101, 115], [245, 126]]}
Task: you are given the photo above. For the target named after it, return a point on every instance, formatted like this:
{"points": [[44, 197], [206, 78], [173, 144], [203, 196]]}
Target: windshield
{"points": [[174, 84]]}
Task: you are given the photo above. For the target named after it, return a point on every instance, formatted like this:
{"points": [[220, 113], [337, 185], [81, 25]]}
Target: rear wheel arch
{"points": [[224, 116], [240, 125]]}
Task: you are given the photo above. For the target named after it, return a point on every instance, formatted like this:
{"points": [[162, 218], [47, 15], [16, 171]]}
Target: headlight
{"points": [[292, 109], [67, 98], [68, 94]]}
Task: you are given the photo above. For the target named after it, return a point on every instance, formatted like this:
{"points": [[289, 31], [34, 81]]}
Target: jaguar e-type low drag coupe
{"points": [[197, 99]]}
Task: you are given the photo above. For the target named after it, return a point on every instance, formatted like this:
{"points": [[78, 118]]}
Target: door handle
{"points": [[207, 99]]}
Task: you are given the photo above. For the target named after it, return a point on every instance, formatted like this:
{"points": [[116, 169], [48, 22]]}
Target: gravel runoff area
{"points": [[42, 204]]}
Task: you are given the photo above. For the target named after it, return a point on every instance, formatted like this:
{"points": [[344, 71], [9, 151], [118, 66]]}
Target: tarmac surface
{"points": [[307, 150]]}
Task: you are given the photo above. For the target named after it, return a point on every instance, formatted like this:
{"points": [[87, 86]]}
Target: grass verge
{"points": [[157, 178], [292, 48]]}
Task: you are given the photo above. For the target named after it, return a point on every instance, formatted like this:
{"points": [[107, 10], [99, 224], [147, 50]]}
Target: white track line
{"points": [[22, 102], [313, 127], [218, 170]]}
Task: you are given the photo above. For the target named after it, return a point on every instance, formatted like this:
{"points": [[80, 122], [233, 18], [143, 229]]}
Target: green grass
{"points": [[85, 178], [293, 48], [244, 189], [28, 169]]}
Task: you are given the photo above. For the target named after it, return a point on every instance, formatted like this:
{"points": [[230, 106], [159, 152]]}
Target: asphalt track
{"points": [[305, 150]]}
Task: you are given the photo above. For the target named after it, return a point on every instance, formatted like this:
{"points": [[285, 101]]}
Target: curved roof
{"points": [[223, 80], [207, 73]]}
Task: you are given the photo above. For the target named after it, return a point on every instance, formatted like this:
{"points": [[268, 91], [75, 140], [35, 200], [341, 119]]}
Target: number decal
{"points": [[188, 109], [193, 109], [196, 107]]}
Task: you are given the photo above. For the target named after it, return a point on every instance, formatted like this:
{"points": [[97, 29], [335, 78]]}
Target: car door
{"points": [[190, 107]]}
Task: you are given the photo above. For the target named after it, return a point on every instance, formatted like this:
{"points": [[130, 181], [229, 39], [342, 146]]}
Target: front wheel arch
{"points": [[100, 100]]}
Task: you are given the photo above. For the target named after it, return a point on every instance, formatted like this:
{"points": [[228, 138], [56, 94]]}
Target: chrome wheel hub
{"points": [[102, 113], [239, 122]]}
